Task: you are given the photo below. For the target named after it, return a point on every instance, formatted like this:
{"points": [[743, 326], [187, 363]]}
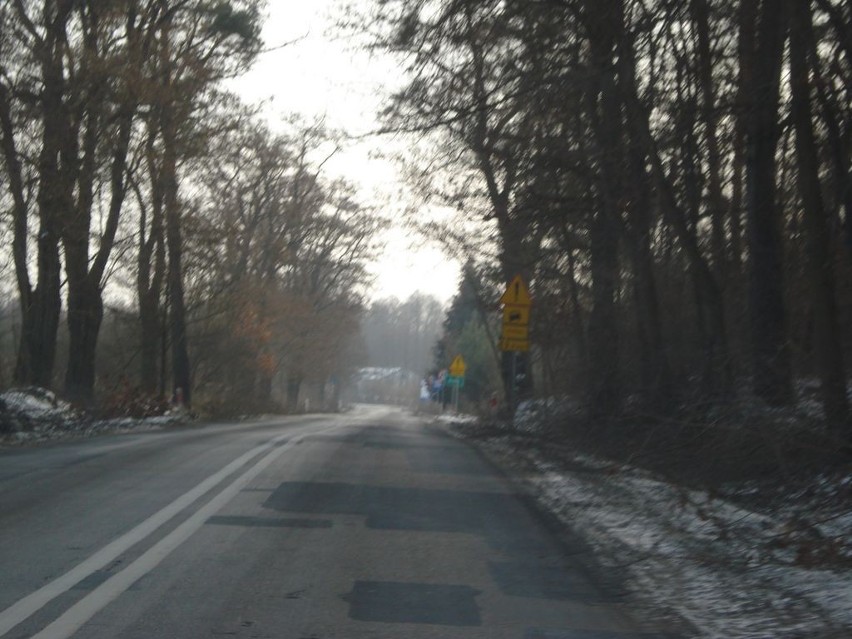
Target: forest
{"points": [[672, 179], [161, 243]]}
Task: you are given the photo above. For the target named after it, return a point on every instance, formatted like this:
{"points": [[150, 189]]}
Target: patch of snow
{"points": [[537, 415], [730, 571], [34, 409], [457, 418], [713, 562], [33, 415]]}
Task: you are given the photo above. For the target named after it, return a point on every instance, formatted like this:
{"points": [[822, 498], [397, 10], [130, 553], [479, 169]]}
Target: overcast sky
{"points": [[323, 75]]}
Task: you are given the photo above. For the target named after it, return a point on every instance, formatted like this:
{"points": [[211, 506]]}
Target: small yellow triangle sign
{"points": [[517, 293], [458, 367]]}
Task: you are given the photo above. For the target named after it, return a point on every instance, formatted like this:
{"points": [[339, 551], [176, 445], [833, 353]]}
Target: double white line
{"points": [[71, 621]]}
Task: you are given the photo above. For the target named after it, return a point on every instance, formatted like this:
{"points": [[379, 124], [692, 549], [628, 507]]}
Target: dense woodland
{"points": [[672, 178], [402, 334], [159, 239]]}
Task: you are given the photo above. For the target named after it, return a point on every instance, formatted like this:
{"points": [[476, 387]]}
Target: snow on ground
{"points": [[714, 563], [33, 415], [730, 572], [456, 418]]}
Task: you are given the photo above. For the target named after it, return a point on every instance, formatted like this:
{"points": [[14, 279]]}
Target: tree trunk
{"points": [[656, 380], [772, 372], [37, 353], [149, 283], [181, 372], [20, 214], [85, 297], [829, 345], [579, 328], [655, 372], [181, 382], [149, 323], [85, 313], [606, 26], [701, 18]]}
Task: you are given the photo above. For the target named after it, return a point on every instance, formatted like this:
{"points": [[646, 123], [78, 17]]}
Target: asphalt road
{"points": [[370, 524]]}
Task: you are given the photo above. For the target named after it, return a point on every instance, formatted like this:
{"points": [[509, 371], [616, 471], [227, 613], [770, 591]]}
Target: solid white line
{"points": [[78, 614], [32, 603]]}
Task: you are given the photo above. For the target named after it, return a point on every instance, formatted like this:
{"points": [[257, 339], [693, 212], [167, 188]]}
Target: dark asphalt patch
{"points": [[536, 633], [264, 522], [517, 579], [393, 508], [395, 602], [501, 519]]}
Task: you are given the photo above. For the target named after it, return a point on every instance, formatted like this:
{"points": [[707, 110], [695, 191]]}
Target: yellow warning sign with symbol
{"points": [[516, 303], [458, 367]]}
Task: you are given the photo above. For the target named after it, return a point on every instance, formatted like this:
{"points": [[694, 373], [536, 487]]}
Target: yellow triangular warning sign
{"points": [[458, 367], [517, 293]]}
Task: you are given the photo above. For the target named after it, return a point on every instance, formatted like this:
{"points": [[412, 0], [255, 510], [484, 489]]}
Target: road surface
{"points": [[370, 524]]}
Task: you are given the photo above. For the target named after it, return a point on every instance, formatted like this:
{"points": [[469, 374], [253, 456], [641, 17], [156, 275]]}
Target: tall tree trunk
{"points": [[20, 213], [85, 282], [38, 345], [707, 288], [85, 313], [839, 141], [149, 338], [829, 345], [701, 18], [181, 374], [37, 353], [517, 239], [772, 371], [150, 272], [606, 25], [579, 328], [655, 370]]}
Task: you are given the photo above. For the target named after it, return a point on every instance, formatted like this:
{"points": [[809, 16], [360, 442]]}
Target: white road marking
{"points": [[78, 614], [32, 603]]}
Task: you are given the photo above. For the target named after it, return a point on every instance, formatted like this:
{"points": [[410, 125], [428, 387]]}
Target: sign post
{"points": [[514, 338], [456, 379]]}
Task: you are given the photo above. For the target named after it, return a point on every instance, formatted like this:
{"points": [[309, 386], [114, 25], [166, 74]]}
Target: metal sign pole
{"points": [[514, 381]]}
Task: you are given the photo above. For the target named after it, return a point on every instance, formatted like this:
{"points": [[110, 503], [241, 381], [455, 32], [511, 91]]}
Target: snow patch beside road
{"points": [[731, 572], [34, 415]]}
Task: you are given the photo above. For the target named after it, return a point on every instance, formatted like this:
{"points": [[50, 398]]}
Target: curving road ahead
{"points": [[370, 524]]}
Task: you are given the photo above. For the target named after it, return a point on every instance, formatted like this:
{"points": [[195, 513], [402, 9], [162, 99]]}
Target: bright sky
{"points": [[318, 75]]}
